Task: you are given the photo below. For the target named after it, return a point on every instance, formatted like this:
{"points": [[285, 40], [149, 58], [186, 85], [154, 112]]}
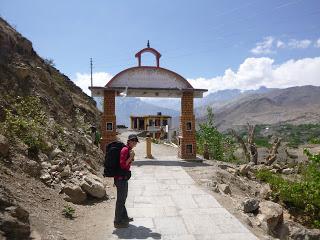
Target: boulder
{"points": [[299, 232], [54, 168], [93, 187], [45, 177], [225, 188], [244, 169], [55, 153], [74, 193], [14, 220], [31, 167], [66, 172], [287, 171], [250, 205], [18, 212], [271, 216], [4, 146], [265, 192], [45, 165]]}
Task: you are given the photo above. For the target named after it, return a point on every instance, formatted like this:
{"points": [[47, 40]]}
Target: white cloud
{"points": [[317, 44], [294, 43], [251, 74], [83, 81], [270, 44], [264, 47], [280, 44], [256, 72]]}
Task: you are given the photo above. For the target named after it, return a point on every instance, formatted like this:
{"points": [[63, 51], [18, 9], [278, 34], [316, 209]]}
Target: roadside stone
{"points": [[55, 153], [274, 170], [244, 169], [43, 157], [66, 172], [212, 184], [45, 165], [270, 215], [287, 171], [4, 146], [18, 212], [45, 177], [276, 166], [299, 232], [232, 171], [93, 187], [14, 220], [74, 193], [31, 167], [225, 188], [223, 166], [53, 168], [265, 192], [250, 205]]}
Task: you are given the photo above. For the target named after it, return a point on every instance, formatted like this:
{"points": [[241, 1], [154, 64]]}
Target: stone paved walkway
{"points": [[167, 204]]}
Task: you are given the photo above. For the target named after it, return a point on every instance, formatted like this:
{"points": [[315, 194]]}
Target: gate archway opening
{"points": [[150, 81]]}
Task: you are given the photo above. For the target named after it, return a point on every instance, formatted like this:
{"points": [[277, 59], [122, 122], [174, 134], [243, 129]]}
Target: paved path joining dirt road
{"points": [[166, 203]]}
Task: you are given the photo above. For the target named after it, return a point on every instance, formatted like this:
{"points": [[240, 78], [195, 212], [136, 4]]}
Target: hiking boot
{"points": [[129, 219], [121, 224]]}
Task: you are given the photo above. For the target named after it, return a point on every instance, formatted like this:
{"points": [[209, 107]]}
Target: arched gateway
{"points": [[149, 81]]}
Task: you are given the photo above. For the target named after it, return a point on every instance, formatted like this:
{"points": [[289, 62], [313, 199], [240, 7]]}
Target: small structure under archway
{"points": [[150, 81]]}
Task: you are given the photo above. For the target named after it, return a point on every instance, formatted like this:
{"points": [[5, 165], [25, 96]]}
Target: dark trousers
{"points": [[122, 193]]}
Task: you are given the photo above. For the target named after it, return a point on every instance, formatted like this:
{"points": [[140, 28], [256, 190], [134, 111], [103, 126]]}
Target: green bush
{"points": [[262, 142], [219, 146], [315, 140], [68, 212], [26, 121], [303, 195]]}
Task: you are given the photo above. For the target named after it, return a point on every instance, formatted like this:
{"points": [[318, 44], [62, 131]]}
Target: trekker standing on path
{"points": [[121, 219]]}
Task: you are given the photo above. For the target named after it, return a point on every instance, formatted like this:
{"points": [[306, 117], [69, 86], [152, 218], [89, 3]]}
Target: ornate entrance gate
{"points": [[149, 81]]}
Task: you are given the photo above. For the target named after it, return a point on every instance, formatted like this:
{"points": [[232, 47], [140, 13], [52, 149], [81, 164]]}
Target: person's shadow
{"points": [[136, 233]]}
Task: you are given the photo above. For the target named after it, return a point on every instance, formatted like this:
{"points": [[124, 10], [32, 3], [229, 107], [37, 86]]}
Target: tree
{"points": [[210, 139], [249, 148]]}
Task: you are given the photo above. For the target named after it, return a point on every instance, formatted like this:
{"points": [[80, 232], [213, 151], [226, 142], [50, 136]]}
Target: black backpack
{"points": [[112, 160]]}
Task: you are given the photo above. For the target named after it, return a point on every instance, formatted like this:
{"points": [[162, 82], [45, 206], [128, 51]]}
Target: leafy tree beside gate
{"points": [[211, 143]]}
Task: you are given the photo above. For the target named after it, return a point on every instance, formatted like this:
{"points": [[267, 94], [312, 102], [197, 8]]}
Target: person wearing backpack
{"points": [[121, 219]]}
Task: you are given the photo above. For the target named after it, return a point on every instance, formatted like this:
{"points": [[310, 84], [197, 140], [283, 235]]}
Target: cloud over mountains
{"points": [[251, 74]]}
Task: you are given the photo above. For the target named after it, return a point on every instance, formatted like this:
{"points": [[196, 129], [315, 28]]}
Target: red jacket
{"points": [[124, 155]]}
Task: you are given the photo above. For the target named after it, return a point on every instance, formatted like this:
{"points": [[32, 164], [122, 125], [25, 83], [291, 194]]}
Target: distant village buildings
{"points": [[157, 125]]}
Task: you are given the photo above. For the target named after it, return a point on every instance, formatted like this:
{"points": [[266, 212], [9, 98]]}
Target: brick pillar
{"points": [[108, 130], [187, 128]]}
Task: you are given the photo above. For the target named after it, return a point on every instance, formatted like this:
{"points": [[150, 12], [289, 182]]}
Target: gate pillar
{"points": [[187, 138], [108, 120]]}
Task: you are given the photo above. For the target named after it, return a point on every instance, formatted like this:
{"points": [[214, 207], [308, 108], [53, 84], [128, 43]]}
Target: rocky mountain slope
{"points": [[295, 105], [45, 146]]}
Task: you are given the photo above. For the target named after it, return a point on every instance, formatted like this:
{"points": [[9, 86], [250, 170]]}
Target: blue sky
{"points": [[205, 41]]}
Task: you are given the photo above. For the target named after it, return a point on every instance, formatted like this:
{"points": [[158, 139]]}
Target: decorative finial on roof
{"points": [[148, 44]]}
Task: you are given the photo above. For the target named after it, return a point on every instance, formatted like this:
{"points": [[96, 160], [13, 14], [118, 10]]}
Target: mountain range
{"points": [[233, 107]]}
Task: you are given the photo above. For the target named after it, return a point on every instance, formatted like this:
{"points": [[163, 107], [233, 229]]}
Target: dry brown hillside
{"points": [[295, 105], [46, 153]]}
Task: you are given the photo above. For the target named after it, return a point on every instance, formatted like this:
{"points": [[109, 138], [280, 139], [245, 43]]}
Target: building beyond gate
{"points": [[150, 81]]}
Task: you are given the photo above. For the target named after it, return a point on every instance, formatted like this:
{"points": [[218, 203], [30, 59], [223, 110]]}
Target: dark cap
{"points": [[133, 137]]}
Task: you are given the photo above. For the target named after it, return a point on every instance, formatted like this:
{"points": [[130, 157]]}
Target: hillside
{"points": [[295, 105], [45, 146]]}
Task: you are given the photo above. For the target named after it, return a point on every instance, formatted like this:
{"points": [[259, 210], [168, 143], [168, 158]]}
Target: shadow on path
{"points": [[155, 162], [136, 233]]}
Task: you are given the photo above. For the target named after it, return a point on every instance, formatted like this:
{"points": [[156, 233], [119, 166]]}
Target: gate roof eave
{"points": [[147, 92]]}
